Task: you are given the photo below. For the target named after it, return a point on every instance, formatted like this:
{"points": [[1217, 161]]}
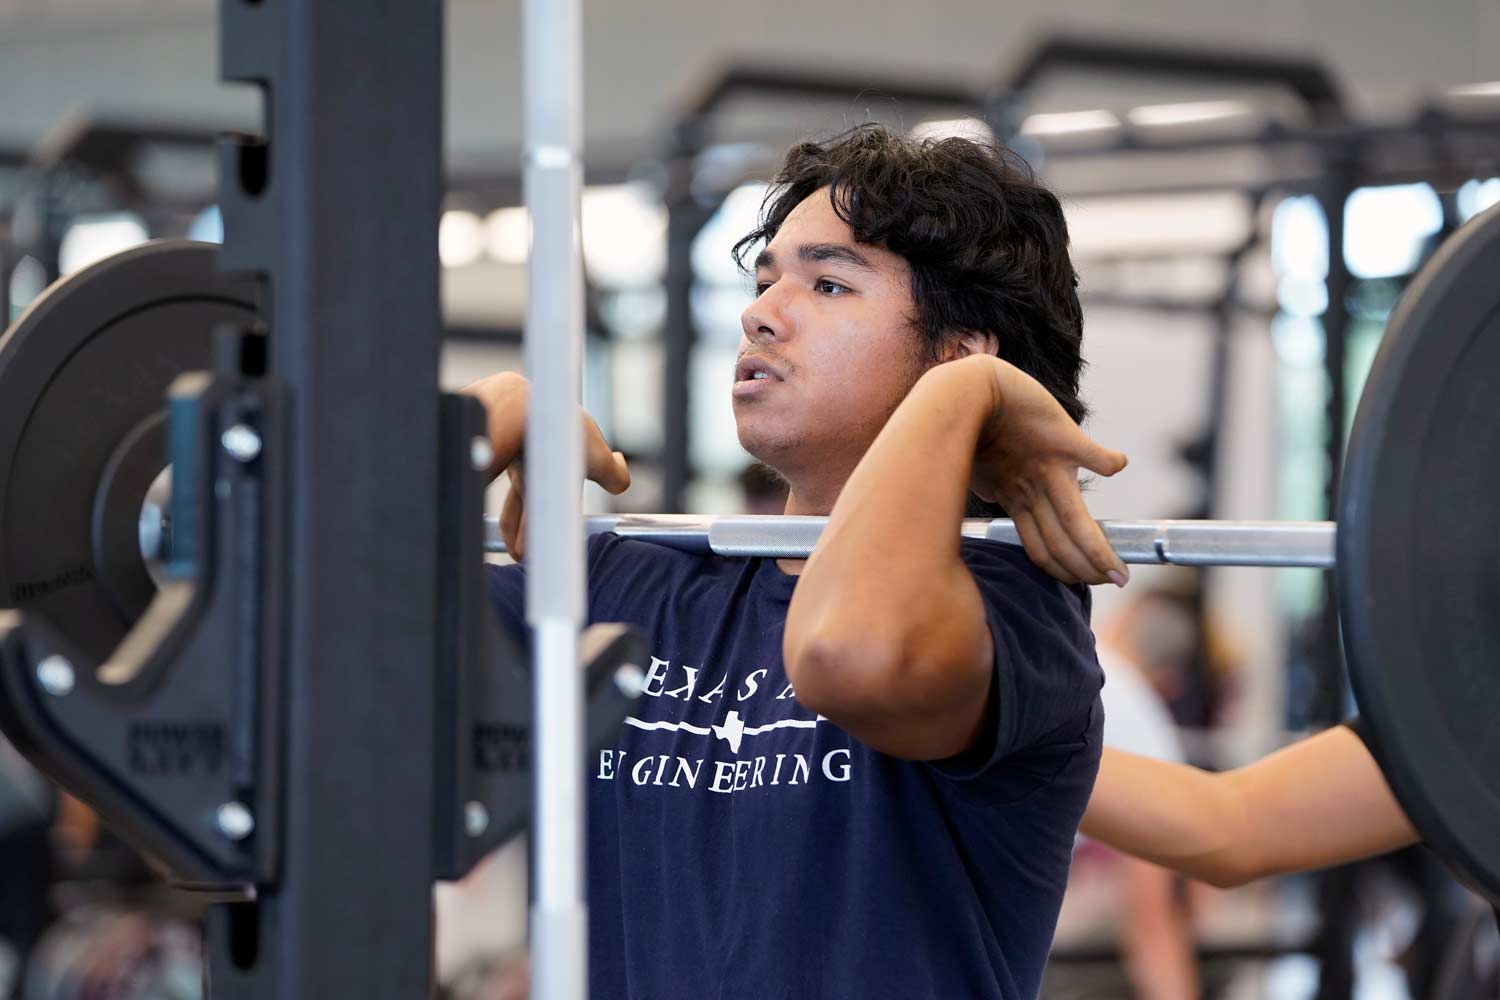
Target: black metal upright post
{"points": [[686, 217], [1337, 887], [6, 265], [337, 207], [1331, 680]]}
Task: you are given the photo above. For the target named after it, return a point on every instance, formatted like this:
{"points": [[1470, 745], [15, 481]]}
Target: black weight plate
{"points": [[1419, 552], [80, 370], [123, 485]]}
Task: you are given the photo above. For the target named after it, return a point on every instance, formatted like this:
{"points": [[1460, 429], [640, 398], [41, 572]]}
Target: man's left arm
{"points": [[887, 633]]}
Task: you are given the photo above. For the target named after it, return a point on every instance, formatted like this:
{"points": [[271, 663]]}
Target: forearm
{"points": [[1182, 818], [886, 575], [1320, 802]]}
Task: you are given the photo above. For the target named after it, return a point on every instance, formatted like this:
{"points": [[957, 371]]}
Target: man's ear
{"points": [[969, 342]]}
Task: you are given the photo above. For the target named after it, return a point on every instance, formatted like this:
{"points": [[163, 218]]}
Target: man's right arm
{"points": [[1317, 803]]}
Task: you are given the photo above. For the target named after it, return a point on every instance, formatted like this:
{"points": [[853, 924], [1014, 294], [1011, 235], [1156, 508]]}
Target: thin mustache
{"points": [[770, 356]]}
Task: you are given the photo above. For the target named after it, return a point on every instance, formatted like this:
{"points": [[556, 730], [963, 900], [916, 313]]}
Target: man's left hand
{"points": [[1027, 460]]}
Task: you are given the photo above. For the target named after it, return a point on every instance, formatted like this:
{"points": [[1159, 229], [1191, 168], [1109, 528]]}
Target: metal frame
{"points": [[1330, 677], [336, 206], [1307, 78], [552, 44]]}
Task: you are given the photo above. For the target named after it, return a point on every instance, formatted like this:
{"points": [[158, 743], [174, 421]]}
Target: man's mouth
{"points": [[755, 370]]}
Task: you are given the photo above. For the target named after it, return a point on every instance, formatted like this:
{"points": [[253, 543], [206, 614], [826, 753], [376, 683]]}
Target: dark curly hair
{"points": [[987, 245]]}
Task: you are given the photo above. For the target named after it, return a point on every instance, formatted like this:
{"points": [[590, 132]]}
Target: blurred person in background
{"points": [[1318, 803], [1180, 652], [1161, 635], [1153, 637], [764, 491]]}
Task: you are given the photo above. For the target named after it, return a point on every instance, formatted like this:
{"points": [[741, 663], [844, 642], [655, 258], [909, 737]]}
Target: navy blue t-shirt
{"points": [[742, 848]]}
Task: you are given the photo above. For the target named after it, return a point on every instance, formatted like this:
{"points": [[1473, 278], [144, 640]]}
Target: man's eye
{"points": [[760, 288], [829, 287]]}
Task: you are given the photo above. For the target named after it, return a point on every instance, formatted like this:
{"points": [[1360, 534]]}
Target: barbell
{"points": [[776, 536], [1416, 547]]}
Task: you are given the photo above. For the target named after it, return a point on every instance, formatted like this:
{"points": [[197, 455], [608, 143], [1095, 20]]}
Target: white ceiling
{"points": [[157, 58]]}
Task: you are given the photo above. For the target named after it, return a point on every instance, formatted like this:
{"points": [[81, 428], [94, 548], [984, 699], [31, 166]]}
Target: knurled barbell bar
{"points": [[1179, 543]]}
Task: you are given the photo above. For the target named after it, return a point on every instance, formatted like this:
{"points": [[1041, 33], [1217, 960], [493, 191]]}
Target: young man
{"points": [[1153, 636], [861, 777]]}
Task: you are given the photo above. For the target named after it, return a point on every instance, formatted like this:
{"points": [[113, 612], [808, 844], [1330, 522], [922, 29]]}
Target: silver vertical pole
{"points": [[552, 44]]}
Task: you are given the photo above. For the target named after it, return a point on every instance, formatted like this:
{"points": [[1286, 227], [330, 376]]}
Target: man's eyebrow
{"points": [[820, 253], [833, 253]]}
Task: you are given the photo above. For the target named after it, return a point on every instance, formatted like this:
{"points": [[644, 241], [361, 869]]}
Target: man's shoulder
{"points": [[618, 561], [607, 551], [623, 573], [1003, 569], [622, 550]]}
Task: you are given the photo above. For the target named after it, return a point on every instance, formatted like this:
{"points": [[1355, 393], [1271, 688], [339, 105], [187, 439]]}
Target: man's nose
{"points": [[766, 318]]}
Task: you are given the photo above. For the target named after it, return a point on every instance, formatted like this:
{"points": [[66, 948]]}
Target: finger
{"points": [[622, 474], [1062, 546], [510, 517], [504, 397], [510, 514], [1036, 546], [518, 492], [601, 464], [1099, 459], [1085, 532]]}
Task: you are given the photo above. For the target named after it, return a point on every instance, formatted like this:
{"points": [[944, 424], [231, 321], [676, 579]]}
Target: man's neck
{"points": [[813, 487], [811, 503], [809, 497]]}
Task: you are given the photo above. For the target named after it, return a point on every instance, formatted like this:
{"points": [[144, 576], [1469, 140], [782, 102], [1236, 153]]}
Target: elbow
{"points": [[842, 674], [1241, 857], [1231, 871], [1250, 862], [1236, 853]]}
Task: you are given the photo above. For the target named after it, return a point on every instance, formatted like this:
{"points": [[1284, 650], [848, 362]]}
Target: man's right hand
{"points": [[505, 397]]}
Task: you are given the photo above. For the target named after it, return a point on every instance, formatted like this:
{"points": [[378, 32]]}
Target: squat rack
{"points": [[335, 206]]}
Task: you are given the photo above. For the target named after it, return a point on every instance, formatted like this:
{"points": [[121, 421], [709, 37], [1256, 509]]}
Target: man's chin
{"points": [[765, 444]]}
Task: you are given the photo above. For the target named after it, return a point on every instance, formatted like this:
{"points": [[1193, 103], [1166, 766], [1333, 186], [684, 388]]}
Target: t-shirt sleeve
{"points": [[1046, 676], [507, 584], [508, 595], [1361, 728]]}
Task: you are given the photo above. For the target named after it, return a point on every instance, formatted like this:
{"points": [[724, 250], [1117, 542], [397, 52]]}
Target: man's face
{"points": [[827, 349]]}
